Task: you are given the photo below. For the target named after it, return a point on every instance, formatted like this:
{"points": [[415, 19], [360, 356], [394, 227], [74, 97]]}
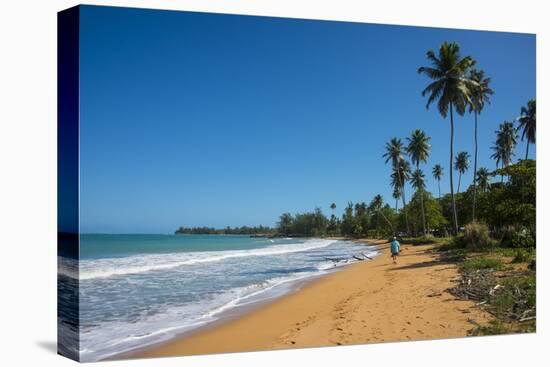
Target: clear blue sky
{"points": [[202, 119]]}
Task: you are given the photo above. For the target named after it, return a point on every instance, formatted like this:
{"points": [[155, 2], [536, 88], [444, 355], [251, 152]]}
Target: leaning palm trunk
{"points": [[475, 169], [455, 220], [527, 150]]}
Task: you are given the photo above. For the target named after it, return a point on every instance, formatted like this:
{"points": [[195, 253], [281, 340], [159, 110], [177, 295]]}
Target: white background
{"points": [[28, 180]]}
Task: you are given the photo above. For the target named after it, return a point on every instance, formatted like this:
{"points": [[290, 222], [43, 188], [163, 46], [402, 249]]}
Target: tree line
{"points": [[243, 230]]}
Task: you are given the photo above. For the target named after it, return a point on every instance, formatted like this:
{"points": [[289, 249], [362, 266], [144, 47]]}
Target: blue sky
{"points": [[202, 119]]}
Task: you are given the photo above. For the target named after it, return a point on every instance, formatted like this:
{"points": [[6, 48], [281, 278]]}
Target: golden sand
{"points": [[367, 302]]}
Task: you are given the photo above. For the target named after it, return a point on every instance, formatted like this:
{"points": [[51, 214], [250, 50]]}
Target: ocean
{"points": [[136, 290]]}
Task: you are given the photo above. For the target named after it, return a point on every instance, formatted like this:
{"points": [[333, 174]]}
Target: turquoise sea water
{"points": [[135, 290]]}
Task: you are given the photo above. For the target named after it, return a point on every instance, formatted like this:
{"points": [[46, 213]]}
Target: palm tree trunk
{"points": [[396, 202], [377, 220], [402, 185], [404, 210], [459, 178], [423, 212], [455, 220], [439, 188], [475, 169], [422, 204], [527, 150]]}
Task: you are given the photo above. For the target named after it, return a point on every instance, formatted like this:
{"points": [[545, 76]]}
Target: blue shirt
{"points": [[395, 247]]}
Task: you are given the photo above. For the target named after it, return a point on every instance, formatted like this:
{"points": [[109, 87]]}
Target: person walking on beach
{"points": [[395, 247]]}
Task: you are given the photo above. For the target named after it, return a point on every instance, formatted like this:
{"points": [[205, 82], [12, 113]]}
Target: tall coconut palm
{"points": [[394, 154], [482, 178], [527, 122], [481, 93], [505, 144], [418, 182], [461, 165], [437, 172], [451, 89], [418, 149]]}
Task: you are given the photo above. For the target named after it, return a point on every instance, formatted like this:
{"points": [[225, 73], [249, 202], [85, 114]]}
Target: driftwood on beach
{"points": [[483, 286], [359, 257]]}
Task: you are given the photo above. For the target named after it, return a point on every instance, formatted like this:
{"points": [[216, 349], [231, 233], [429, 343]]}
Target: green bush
{"points": [[523, 256], [523, 238], [518, 295], [421, 240], [476, 235], [506, 234], [457, 242], [482, 263], [495, 327]]}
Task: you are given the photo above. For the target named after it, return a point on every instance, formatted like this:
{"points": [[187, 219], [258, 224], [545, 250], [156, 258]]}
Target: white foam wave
{"points": [[102, 268], [161, 326]]}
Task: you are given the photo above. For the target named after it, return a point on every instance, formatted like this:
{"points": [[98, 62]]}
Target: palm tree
{"points": [[461, 165], [394, 183], [333, 206], [528, 121], [437, 172], [480, 95], [505, 144], [396, 194], [394, 153], [482, 178], [419, 150], [451, 89], [375, 206], [418, 182]]}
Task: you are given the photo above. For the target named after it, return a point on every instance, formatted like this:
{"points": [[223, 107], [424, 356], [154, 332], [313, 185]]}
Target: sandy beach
{"points": [[367, 302]]}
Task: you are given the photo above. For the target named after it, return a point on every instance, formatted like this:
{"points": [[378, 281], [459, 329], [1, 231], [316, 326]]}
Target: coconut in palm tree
{"points": [[418, 149], [450, 89], [527, 122], [462, 164]]}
